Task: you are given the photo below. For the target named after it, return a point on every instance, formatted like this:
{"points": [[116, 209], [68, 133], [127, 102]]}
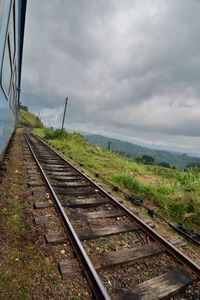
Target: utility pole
{"points": [[66, 100], [38, 119]]}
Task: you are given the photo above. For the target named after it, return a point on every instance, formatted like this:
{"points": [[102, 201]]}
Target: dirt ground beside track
{"points": [[28, 266]]}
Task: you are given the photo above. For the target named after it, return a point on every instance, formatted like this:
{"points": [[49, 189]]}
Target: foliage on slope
{"points": [[176, 194], [28, 119], [174, 159]]}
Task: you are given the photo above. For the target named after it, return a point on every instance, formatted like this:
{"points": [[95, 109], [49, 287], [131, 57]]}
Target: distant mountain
{"points": [[133, 150]]}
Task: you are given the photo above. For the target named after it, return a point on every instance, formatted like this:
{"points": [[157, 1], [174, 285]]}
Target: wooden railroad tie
{"points": [[159, 287], [41, 220], [89, 234], [84, 202]]}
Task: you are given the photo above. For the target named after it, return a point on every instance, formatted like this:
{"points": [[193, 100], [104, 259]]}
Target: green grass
{"points": [[176, 194], [28, 119]]}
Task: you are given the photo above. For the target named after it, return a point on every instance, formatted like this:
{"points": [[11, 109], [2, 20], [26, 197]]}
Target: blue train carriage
{"points": [[12, 20]]}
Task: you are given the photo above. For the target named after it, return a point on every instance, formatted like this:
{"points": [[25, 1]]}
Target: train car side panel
{"points": [[11, 44]]}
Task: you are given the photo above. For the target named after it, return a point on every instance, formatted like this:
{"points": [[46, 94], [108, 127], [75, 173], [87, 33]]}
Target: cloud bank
{"points": [[130, 68]]}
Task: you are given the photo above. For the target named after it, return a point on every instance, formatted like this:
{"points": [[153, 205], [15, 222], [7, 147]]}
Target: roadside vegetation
{"points": [[28, 119], [175, 193]]}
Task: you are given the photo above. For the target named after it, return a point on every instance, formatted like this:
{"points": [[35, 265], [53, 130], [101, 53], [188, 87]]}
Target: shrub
{"points": [[148, 159], [164, 164], [50, 134]]}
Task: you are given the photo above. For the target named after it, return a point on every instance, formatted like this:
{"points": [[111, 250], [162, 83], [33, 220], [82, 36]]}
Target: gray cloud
{"points": [[130, 68]]}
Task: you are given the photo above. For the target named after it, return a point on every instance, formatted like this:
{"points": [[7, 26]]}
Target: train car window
{"points": [[6, 69], [2, 6], [13, 94], [12, 33], [12, 91]]}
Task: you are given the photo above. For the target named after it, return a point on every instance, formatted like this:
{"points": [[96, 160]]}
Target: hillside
{"points": [[133, 150], [28, 119], [176, 194]]}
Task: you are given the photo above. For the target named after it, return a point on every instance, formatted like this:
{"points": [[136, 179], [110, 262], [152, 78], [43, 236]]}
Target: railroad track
{"points": [[143, 264]]}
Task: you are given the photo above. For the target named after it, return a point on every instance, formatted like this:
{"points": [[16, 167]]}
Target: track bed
{"points": [[121, 256]]}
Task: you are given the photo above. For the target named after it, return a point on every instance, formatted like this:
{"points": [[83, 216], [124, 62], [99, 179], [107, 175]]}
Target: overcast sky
{"points": [[131, 68]]}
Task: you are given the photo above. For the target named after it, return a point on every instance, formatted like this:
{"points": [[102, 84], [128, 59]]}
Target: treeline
{"points": [[149, 160], [23, 107], [161, 157], [27, 119], [146, 160]]}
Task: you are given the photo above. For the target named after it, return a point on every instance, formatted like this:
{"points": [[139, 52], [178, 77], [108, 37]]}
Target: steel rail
{"points": [[163, 243], [88, 268], [154, 213]]}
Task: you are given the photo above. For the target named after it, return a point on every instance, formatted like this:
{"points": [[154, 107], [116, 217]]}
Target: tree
{"points": [[23, 107], [147, 159], [109, 145], [164, 164], [193, 165], [138, 159], [122, 153]]}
